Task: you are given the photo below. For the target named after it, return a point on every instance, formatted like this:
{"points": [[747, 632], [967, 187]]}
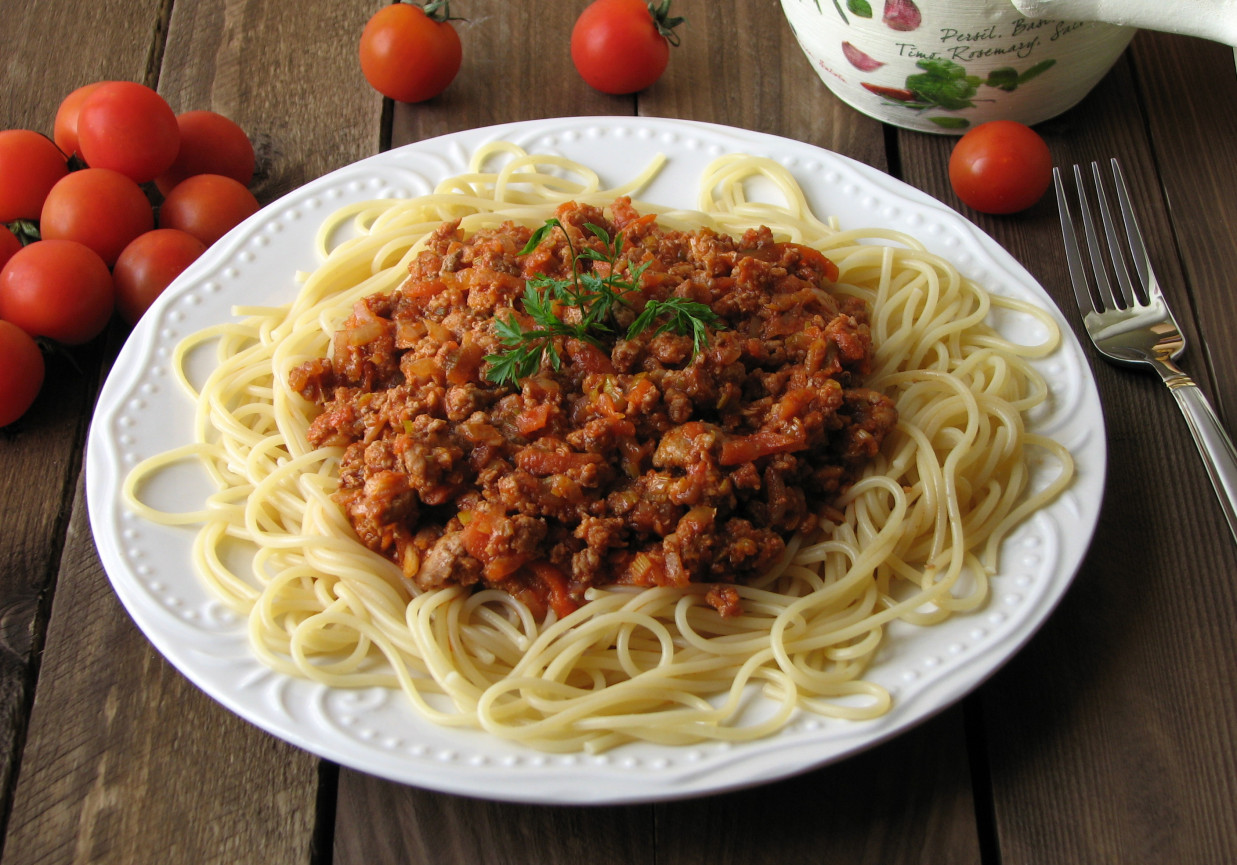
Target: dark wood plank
{"points": [[40, 454], [1187, 86], [908, 800], [126, 760], [402, 824], [111, 39], [1110, 736]]}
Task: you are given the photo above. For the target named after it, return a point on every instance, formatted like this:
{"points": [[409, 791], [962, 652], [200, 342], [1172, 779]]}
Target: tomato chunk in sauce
{"points": [[638, 461]]}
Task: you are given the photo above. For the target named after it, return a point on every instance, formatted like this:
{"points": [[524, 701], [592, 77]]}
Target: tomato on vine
{"points": [[411, 53], [21, 372], [210, 143], [207, 206], [30, 165], [127, 127], [98, 207], [59, 289], [623, 46], [148, 265], [64, 127]]}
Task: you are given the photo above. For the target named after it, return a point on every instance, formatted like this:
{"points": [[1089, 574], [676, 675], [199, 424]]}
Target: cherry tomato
{"points": [[9, 244], [207, 206], [622, 46], [209, 144], [410, 53], [1000, 167], [60, 289], [30, 165], [21, 372], [127, 127], [148, 265], [98, 207], [64, 128]]}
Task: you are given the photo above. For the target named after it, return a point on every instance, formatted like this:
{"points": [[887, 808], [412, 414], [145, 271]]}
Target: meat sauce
{"points": [[641, 462]]}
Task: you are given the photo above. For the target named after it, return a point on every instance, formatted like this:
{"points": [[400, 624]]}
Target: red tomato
{"points": [[209, 144], [1000, 167], [9, 244], [148, 265], [64, 128], [98, 207], [207, 206], [410, 54], [21, 372], [30, 165], [60, 289], [621, 46], [127, 127]]}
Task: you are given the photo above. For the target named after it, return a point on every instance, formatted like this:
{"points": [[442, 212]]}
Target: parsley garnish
{"points": [[596, 297]]}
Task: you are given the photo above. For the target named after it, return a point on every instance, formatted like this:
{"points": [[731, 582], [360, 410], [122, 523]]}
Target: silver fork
{"points": [[1133, 325]]}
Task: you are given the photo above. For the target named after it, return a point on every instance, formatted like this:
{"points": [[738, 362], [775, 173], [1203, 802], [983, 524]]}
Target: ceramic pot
{"points": [[945, 66]]}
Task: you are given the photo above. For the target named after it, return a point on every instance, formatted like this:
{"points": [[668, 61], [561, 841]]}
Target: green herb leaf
{"points": [[685, 317], [943, 84], [597, 296]]}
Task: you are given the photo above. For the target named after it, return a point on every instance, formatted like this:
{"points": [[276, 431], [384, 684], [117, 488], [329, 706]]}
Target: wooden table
{"points": [[1109, 738]]}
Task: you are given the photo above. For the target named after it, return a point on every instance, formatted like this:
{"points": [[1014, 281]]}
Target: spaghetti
{"points": [[916, 538]]}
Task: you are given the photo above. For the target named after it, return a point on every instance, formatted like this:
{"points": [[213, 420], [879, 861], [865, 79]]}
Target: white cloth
{"points": [[1209, 19]]}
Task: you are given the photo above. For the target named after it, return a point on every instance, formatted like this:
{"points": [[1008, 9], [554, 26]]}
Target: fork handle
{"points": [[1214, 444]]}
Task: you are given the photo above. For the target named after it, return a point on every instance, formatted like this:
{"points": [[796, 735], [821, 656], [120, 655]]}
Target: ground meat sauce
{"points": [[640, 463]]}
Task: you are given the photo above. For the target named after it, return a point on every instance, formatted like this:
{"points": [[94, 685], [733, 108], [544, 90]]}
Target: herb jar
{"points": [[945, 66]]}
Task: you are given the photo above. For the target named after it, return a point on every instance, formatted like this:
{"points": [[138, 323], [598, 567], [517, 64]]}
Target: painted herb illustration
{"points": [[944, 84], [858, 8]]}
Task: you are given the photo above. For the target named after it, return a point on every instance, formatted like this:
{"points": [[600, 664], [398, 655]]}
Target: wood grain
{"points": [[1188, 86], [128, 762], [394, 823], [907, 801]]}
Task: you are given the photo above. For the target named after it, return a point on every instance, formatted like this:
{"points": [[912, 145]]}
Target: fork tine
{"points": [[1099, 269], [1077, 273], [1138, 249], [1116, 252]]}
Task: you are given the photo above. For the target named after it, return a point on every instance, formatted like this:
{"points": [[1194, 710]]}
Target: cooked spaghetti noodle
{"points": [[915, 539]]}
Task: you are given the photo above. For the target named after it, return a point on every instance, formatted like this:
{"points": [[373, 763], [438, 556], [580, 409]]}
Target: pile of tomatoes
{"points": [[101, 216]]}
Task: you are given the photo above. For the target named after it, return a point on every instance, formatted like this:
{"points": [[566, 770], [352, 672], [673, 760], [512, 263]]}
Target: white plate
{"points": [[142, 412]]}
